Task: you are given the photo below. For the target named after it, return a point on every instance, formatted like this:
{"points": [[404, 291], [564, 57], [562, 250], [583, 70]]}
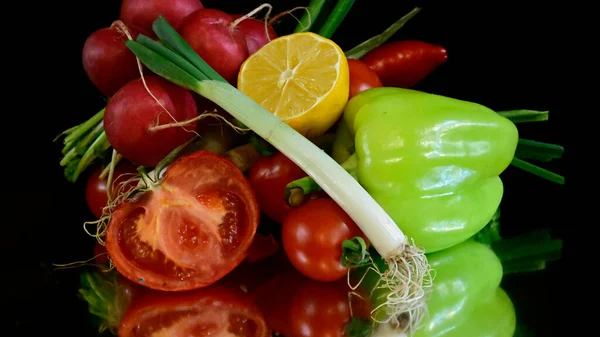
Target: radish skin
{"points": [[257, 33], [142, 13], [132, 113], [105, 50], [211, 34]]}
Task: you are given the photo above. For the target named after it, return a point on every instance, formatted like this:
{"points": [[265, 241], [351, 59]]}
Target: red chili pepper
{"points": [[404, 63]]}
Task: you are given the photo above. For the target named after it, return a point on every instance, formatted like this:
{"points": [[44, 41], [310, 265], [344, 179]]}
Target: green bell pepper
{"points": [[465, 288], [467, 279], [432, 162]]}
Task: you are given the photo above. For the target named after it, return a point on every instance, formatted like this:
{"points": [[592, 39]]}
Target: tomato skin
{"points": [[188, 231], [268, 177], [95, 189], [320, 310], [312, 237], [303, 307], [156, 310], [403, 64], [361, 77]]}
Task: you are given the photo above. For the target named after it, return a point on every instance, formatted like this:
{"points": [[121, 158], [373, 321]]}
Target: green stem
{"points": [[309, 18], [374, 42], [336, 17], [263, 147], [520, 267], [525, 116], [528, 252], [166, 161], [538, 171], [359, 327], [98, 147], [531, 149], [84, 127], [536, 245]]}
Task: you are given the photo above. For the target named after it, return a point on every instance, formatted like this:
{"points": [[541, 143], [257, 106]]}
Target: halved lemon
{"points": [[302, 78]]}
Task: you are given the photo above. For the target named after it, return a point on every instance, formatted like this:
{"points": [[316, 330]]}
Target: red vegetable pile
{"points": [[186, 205]]}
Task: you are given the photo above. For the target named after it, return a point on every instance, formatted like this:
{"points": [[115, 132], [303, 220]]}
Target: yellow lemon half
{"points": [[302, 78]]}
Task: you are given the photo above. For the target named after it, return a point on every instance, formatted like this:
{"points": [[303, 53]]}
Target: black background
{"points": [[500, 55]]}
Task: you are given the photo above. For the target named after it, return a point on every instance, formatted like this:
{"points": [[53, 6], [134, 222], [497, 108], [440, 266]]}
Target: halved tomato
{"points": [[213, 311], [189, 230]]}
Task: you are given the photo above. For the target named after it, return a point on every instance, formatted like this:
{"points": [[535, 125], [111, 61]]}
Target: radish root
{"points": [[87, 262], [289, 12], [117, 159], [122, 27], [206, 114], [252, 13], [121, 195], [111, 172], [407, 284]]}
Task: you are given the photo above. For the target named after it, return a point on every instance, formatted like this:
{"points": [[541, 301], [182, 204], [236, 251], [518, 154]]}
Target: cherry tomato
{"points": [[277, 309], [312, 237], [189, 230], [212, 311], [268, 177], [361, 77], [95, 190], [321, 309]]}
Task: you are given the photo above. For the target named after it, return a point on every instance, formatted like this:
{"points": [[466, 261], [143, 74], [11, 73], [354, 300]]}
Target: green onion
{"points": [[336, 17], [538, 171], [531, 149], [374, 42], [385, 236], [525, 116], [309, 18]]}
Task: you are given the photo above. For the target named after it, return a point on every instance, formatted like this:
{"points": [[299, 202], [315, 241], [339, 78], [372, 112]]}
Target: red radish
{"points": [[142, 13], [255, 32], [213, 36], [132, 115], [207, 106], [108, 63]]}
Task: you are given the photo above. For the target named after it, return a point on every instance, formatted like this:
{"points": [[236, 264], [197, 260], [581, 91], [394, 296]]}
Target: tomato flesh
{"points": [[213, 311], [190, 230]]}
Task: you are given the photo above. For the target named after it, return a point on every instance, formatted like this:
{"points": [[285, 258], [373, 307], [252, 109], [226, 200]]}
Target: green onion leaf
{"points": [[538, 171], [374, 42], [336, 17], [169, 36]]}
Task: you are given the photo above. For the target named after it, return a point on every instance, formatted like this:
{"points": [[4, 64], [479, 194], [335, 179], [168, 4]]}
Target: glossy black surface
{"points": [[501, 56]]}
